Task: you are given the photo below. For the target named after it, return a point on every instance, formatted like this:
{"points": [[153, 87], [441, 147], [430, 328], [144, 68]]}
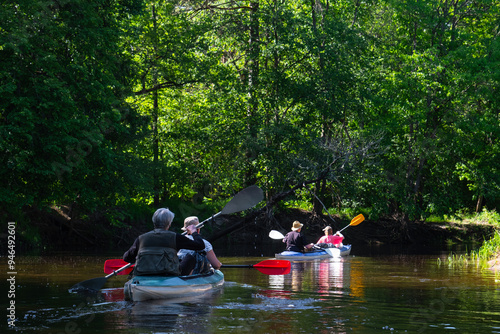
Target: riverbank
{"points": [[490, 252], [389, 231], [55, 231]]}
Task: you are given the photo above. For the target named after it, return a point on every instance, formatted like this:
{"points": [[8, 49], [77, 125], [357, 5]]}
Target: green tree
{"points": [[438, 63], [172, 57], [64, 122], [283, 90]]}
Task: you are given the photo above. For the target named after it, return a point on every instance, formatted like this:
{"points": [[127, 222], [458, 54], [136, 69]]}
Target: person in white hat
{"points": [[330, 239], [294, 240], [197, 262]]}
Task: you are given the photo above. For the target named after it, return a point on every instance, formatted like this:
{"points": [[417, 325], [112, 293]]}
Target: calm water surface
{"points": [[357, 294]]}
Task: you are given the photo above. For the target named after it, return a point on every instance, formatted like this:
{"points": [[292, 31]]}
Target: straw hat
{"points": [[193, 220], [296, 225]]}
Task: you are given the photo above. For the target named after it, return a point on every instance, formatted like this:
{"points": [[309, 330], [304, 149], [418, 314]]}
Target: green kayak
{"points": [[141, 288]]}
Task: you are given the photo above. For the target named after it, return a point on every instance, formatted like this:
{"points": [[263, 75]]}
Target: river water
{"points": [[361, 293]]}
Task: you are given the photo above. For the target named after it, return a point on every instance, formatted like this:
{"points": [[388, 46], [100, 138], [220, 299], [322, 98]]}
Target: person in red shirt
{"points": [[330, 238]]}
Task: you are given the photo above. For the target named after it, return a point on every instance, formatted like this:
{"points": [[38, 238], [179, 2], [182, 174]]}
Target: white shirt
{"points": [[184, 252]]}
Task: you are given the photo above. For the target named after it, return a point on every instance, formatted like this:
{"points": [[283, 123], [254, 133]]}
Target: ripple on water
{"points": [[43, 318], [261, 302]]}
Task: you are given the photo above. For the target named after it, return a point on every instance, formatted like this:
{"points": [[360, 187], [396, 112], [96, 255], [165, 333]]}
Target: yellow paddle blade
{"points": [[356, 220]]}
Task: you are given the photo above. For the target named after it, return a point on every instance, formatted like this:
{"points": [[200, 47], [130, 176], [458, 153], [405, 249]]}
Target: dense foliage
{"points": [[388, 105]]}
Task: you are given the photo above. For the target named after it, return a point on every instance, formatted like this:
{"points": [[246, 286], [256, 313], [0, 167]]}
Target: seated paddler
{"points": [[197, 262], [329, 239], [294, 240], [155, 252]]}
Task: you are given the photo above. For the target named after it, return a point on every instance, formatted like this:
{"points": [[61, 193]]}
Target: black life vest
{"points": [[157, 254]]}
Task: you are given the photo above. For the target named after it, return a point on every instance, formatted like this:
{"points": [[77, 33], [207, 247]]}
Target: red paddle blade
{"points": [[114, 264], [273, 267], [268, 267]]}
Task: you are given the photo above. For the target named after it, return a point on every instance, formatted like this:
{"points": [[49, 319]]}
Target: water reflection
{"points": [[181, 315], [331, 276], [185, 314], [405, 293], [334, 283], [325, 277]]}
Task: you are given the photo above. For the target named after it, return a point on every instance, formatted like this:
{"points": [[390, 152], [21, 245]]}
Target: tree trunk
{"points": [[317, 205], [253, 76], [156, 182], [479, 204]]}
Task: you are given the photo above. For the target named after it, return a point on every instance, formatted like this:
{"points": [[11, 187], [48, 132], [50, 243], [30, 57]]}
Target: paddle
{"points": [[98, 283], [268, 267], [333, 252], [113, 264], [355, 221], [245, 199], [276, 235]]}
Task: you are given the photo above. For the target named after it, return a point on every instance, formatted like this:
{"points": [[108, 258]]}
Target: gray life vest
{"points": [[157, 254]]}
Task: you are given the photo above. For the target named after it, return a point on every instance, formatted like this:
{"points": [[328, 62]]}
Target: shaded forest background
{"points": [[111, 109]]}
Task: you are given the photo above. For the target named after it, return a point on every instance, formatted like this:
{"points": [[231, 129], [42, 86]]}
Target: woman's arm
{"points": [[213, 260], [184, 242]]}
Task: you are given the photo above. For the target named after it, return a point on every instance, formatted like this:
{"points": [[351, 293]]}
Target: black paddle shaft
{"points": [[96, 283], [245, 199]]}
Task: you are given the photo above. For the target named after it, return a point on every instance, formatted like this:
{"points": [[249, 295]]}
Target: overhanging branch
{"points": [[163, 85]]}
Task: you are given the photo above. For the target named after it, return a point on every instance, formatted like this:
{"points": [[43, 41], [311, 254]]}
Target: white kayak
{"points": [[315, 254]]}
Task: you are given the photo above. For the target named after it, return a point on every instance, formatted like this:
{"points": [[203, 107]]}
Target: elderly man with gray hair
{"points": [[155, 252]]}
